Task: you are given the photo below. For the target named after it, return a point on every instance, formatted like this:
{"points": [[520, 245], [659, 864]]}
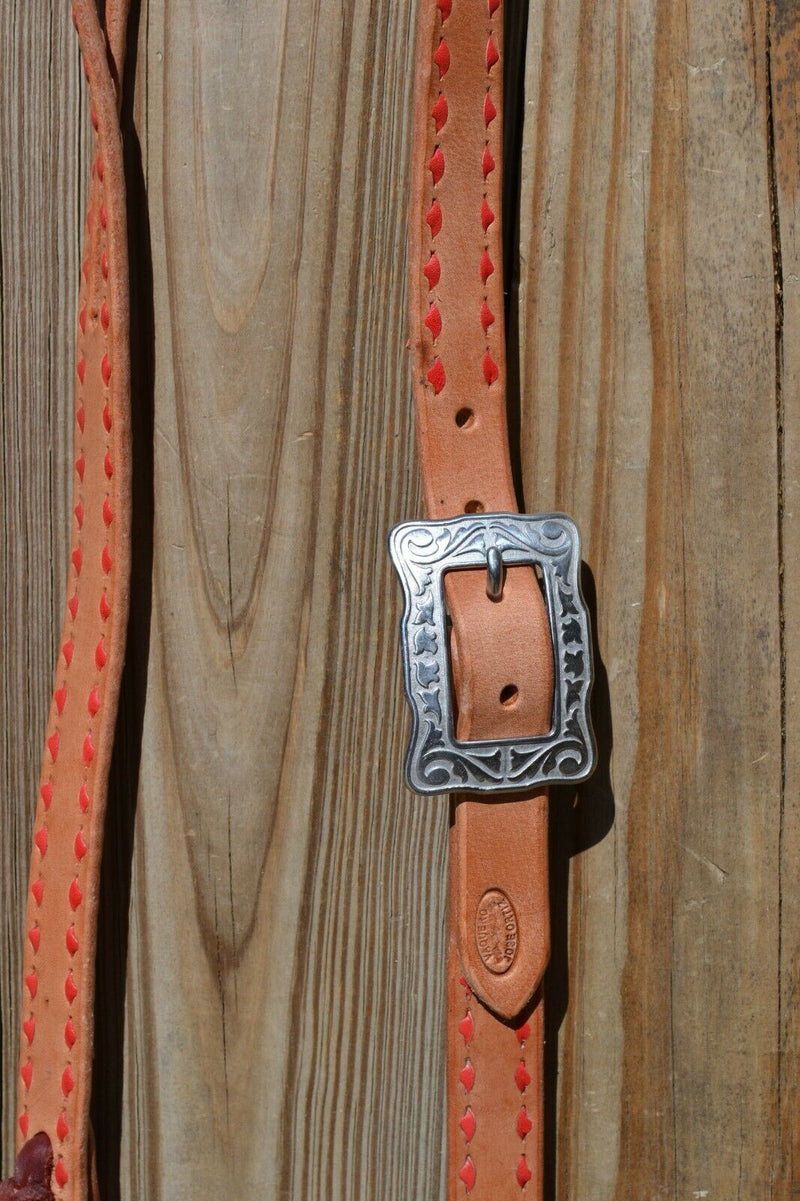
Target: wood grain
{"points": [[275, 901], [649, 333]]}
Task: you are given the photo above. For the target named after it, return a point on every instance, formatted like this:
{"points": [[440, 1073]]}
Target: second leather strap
{"points": [[501, 651]]}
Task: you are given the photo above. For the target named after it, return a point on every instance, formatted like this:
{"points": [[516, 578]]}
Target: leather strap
{"points": [[55, 1153], [501, 652]]}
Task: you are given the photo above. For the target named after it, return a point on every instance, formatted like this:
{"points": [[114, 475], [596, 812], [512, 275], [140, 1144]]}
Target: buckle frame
{"points": [[422, 552]]}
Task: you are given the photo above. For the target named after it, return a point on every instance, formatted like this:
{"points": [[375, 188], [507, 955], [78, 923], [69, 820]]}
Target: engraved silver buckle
{"points": [[422, 552]]}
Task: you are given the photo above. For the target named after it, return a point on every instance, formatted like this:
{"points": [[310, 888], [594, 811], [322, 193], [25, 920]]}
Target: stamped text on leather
{"points": [[496, 931]]}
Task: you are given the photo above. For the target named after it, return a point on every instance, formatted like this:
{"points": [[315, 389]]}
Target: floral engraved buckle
{"points": [[422, 552]]}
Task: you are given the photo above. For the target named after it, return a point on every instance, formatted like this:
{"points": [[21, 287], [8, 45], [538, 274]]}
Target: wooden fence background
{"points": [[281, 971]]}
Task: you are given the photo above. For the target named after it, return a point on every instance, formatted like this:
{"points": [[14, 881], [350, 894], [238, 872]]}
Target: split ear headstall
{"points": [[495, 636]]}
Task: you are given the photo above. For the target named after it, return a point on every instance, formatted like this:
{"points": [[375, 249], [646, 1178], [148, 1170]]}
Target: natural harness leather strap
{"points": [[55, 1153], [501, 655]]}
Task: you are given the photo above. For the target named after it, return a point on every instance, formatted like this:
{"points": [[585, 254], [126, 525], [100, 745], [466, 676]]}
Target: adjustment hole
{"points": [[509, 695], [473, 506], [464, 418]]}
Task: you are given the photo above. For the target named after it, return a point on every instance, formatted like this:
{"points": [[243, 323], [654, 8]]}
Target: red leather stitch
{"points": [[468, 1174], [52, 745], [80, 466], [108, 467], [37, 888], [107, 418], [523, 1172], [487, 266], [436, 165], [72, 940], [487, 216], [434, 321], [522, 1076], [467, 1124], [524, 1124], [105, 559], [66, 650], [490, 368], [40, 838], [83, 799], [29, 1026], [437, 377], [70, 988], [75, 895], [26, 1072], [80, 845], [70, 1036], [79, 515], [61, 1174], [23, 1124], [77, 560], [103, 217], [82, 319], [88, 750], [467, 1027], [523, 1032], [80, 417], [105, 369], [434, 219], [467, 1076], [34, 937], [445, 8], [104, 264], [32, 983], [432, 271], [100, 655], [47, 794], [439, 112], [488, 163], [489, 110], [487, 317], [62, 1129], [81, 369], [492, 56], [441, 57], [105, 607], [93, 703]]}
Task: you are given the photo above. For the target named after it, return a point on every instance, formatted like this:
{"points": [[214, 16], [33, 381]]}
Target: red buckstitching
{"points": [[522, 1079], [96, 214], [436, 375], [491, 371], [468, 1123]]}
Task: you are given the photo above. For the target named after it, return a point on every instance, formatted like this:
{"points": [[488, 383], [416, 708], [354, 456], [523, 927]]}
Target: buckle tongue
{"points": [[422, 552]]}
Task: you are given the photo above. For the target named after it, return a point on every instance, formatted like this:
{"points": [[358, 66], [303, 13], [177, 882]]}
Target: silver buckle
{"points": [[422, 551]]}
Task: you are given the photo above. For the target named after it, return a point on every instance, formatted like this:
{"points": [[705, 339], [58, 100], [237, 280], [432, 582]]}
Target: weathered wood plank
{"points": [[648, 328], [277, 1033], [784, 81]]}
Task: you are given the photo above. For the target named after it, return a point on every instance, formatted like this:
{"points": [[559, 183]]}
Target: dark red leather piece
{"points": [[32, 1172]]}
